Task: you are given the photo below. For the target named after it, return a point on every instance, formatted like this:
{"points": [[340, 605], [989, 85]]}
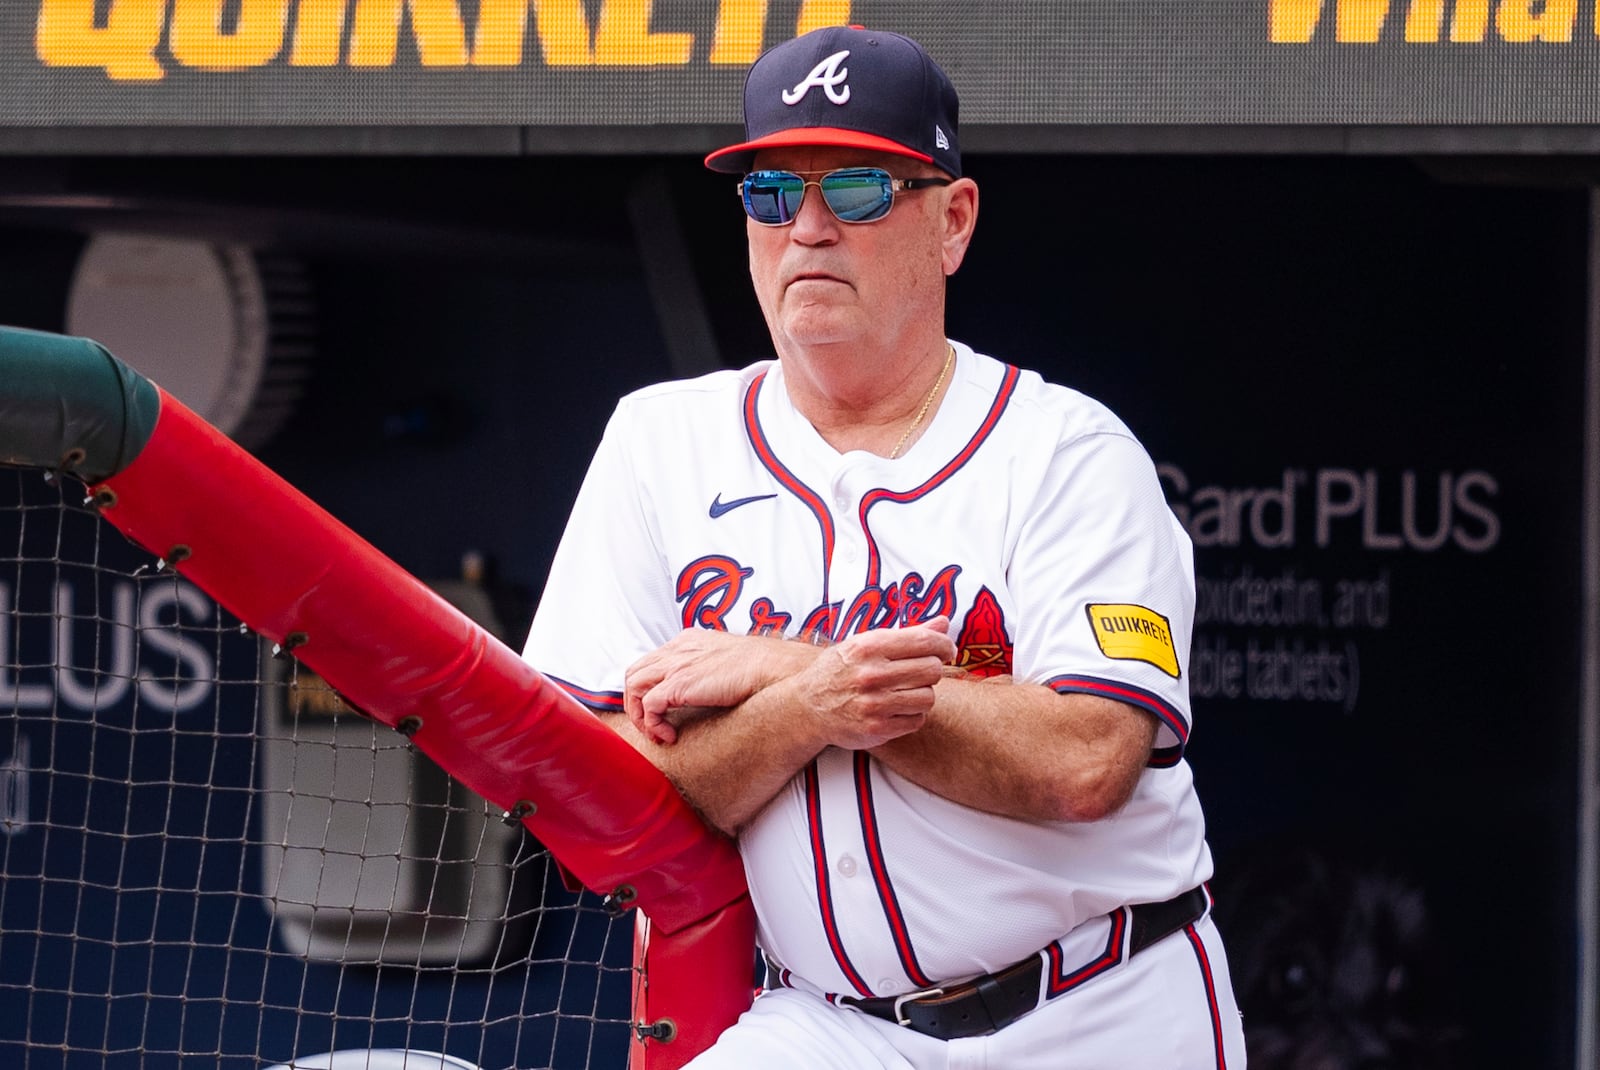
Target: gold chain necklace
{"points": [[950, 358]]}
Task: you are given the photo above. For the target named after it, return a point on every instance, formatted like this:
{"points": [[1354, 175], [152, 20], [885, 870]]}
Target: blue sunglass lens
{"points": [[855, 195], [773, 196], [858, 195]]}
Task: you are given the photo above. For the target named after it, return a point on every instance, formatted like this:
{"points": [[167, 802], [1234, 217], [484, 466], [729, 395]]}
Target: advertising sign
{"points": [[633, 63]]}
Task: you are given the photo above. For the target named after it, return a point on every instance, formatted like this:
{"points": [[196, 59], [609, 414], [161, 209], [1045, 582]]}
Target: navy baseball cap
{"points": [[850, 87]]}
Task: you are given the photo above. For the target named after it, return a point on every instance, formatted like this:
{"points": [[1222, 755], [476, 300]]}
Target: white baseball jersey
{"points": [[1030, 516]]}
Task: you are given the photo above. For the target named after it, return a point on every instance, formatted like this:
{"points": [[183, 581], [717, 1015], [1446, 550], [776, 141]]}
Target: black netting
{"points": [[207, 861]]}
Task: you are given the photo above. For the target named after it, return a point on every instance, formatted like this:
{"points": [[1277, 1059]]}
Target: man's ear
{"points": [[960, 218]]}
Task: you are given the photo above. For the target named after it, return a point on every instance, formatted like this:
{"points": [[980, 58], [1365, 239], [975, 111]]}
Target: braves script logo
{"points": [[827, 76], [710, 587]]}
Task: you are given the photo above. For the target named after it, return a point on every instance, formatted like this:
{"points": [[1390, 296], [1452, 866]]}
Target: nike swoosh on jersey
{"points": [[718, 506]]}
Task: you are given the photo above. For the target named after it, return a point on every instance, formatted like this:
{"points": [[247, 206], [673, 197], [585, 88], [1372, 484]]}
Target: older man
{"points": [[909, 623]]}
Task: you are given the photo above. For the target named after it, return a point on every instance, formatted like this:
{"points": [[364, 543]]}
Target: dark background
{"points": [[477, 318]]}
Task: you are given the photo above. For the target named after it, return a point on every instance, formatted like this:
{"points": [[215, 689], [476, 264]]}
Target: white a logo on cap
{"points": [[938, 137], [827, 76]]}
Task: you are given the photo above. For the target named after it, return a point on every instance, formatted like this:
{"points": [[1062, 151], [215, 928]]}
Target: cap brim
{"points": [[736, 159]]}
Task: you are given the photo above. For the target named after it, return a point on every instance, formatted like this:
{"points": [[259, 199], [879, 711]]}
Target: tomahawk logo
{"points": [[827, 76]]}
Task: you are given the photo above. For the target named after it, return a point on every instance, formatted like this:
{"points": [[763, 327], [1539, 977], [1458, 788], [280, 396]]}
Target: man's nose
{"points": [[815, 223]]}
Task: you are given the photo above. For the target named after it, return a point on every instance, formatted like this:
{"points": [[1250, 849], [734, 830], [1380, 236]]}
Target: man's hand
{"points": [[872, 687], [876, 685], [700, 672]]}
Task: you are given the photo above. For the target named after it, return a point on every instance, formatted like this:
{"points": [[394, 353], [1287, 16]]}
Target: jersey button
{"points": [[846, 866]]}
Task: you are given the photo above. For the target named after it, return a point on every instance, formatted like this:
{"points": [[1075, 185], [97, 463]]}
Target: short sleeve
{"points": [[1104, 577], [608, 600]]}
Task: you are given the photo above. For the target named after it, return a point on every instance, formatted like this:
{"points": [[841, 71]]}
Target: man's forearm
{"points": [[1024, 751], [782, 704], [730, 765]]}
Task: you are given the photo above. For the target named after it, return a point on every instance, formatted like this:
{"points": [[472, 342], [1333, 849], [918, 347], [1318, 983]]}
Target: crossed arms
{"points": [[731, 719]]}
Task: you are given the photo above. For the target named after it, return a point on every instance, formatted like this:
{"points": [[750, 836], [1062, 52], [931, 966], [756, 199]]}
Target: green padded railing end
{"points": [[68, 404]]}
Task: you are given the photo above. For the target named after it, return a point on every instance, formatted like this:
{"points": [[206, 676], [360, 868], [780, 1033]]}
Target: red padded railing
{"points": [[404, 656]]}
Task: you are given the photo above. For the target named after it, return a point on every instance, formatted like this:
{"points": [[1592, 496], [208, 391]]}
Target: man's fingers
{"points": [[944, 644], [898, 644], [653, 707], [633, 707], [881, 673], [640, 678], [923, 698], [911, 673], [655, 703]]}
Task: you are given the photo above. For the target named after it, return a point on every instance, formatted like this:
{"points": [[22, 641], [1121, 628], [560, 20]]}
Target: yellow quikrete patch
{"points": [[1134, 633]]}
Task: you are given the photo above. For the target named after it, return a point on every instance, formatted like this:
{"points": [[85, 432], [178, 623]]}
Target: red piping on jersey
{"points": [[1133, 696], [1057, 982], [1164, 757], [609, 701], [1211, 993], [769, 460], [1008, 386], [819, 857], [880, 874]]}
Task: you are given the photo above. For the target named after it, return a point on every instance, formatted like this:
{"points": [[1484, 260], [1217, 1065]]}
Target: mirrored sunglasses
{"points": [[853, 194]]}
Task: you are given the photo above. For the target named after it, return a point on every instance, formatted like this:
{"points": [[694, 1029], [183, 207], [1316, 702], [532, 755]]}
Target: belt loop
{"points": [[992, 997]]}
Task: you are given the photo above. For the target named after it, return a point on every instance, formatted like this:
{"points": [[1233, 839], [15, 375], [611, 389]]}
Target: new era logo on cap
{"points": [[849, 87]]}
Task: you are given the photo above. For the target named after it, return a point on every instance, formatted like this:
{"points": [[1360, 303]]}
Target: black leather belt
{"points": [[992, 1002]]}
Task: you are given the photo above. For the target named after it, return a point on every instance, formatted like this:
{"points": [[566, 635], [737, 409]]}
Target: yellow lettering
{"points": [[1424, 20], [1292, 22], [197, 40], [376, 33], [563, 30], [1516, 21], [1469, 21], [125, 46], [440, 34], [1295, 21], [815, 14], [1361, 20], [623, 38], [741, 26], [318, 31]]}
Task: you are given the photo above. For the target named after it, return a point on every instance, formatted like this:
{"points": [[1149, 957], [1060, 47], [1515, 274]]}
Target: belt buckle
{"points": [[901, 1001]]}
